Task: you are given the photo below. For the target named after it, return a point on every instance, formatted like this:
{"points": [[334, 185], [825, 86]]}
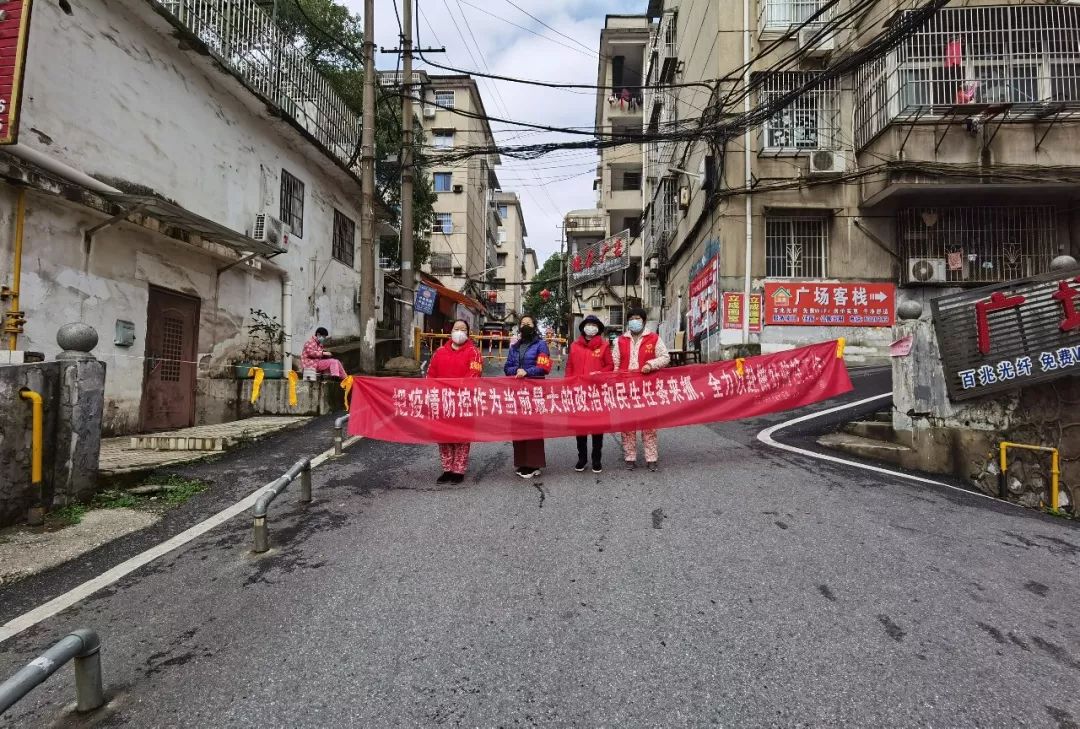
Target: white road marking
{"points": [[765, 437], [88, 588]]}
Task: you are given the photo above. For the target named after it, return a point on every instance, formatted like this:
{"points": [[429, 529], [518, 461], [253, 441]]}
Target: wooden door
{"points": [[172, 336]]}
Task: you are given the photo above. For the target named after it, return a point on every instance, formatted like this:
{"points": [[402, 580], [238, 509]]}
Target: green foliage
{"points": [[330, 37], [265, 335], [556, 310], [68, 515], [114, 499]]}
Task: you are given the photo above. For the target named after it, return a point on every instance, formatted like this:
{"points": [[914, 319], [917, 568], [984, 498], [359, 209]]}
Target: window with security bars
{"points": [[497, 309], [444, 99], [614, 316], [292, 204], [796, 247], [443, 223], [1022, 55], [442, 264], [975, 245], [442, 138], [344, 248], [172, 349], [809, 121], [784, 14]]}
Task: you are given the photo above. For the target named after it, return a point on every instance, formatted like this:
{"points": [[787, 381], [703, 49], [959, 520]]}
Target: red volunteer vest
{"points": [[645, 353]]}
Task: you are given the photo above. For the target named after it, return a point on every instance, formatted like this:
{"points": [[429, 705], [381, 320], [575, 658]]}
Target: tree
{"points": [[556, 310], [330, 37]]}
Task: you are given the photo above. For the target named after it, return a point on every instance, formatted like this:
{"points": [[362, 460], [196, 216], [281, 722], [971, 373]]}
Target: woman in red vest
{"points": [[459, 357], [590, 353], [640, 351]]}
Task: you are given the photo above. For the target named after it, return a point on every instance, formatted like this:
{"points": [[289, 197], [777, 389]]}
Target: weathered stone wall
{"points": [[225, 400], [963, 438], [16, 493]]}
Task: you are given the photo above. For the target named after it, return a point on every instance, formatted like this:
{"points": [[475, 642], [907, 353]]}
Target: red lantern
{"points": [[493, 296], [712, 305], [545, 294]]}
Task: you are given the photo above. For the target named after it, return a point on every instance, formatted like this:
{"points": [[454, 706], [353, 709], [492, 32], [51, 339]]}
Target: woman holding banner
{"points": [[640, 351], [459, 357], [531, 358], [590, 353]]}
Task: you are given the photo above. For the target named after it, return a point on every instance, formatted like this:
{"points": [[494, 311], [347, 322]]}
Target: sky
{"points": [[475, 33]]}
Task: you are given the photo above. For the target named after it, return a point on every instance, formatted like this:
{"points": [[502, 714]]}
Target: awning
{"points": [[455, 296], [172, 214]]}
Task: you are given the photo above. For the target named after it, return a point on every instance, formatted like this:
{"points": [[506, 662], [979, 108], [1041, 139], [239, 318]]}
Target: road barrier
{"points": [[275, 488], [339, 434], [82, 646], [1055, 470]]}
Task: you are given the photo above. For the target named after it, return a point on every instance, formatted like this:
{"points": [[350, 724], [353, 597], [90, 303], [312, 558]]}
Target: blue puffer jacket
{"points": [[533, 357]]}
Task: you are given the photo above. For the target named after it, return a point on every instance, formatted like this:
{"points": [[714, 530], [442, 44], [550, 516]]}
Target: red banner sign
{"points": [[407, 410], [733, 311], [809, 304], [14, 30]]}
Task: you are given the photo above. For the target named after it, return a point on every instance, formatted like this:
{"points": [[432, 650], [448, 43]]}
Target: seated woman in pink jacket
{"points": [[318, 359]]}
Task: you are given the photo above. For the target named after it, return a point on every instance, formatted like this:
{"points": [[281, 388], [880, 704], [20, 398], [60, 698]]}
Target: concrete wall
{"points": [[72, 394], [962, 438], [155, 117], [222, 401]]}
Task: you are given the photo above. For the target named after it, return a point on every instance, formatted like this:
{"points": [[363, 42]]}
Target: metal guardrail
{"points": [[275, 488], [84, 647], [1055, 469]]}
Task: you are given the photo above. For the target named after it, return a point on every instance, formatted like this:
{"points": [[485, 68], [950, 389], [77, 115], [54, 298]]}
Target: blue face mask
{"points": [[636, 326], [320, 339]]}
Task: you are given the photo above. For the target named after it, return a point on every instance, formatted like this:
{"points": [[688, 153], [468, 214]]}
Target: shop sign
{"points": [[811, 304], [601, 259], [1011, 335], [733, 311]]}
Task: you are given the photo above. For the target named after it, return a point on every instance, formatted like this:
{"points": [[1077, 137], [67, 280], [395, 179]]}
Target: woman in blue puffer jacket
{"points": [[528, 358]]}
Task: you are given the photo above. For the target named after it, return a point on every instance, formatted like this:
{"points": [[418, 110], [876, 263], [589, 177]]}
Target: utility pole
{"points": [[408, 277], [368, 259]]}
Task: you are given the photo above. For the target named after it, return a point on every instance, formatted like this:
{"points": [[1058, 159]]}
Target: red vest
{"points": [[646, 351]]}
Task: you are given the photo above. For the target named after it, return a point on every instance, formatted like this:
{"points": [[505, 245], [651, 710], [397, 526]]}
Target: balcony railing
{"points": [[1022, 58], [244, 38], [810, 121], [660, 218], [581, 224], [782, 15]]}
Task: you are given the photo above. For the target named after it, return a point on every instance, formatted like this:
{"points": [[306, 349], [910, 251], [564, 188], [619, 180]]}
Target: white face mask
{"points": [[591, 330], [459, 337]]}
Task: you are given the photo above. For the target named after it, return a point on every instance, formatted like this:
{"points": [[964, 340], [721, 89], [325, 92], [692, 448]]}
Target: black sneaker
{"points": [[631, 465], [456, 478], [445, 477], [580, 467], [528, 472], [597, 468], [653, 466]]}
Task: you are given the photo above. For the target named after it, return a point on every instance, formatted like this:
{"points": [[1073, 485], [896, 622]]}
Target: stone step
{"points": [[866, 447], [876, 429], [174, 443]]}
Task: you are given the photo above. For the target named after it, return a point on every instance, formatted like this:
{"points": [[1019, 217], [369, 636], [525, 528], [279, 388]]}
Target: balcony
{"points": [[660, 218], [1017, 63], [810, 121], [582, 225], [244, 39], [780, 16]]}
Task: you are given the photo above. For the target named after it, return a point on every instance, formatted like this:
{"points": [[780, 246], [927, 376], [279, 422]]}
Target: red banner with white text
{"points": [[406, 410]]}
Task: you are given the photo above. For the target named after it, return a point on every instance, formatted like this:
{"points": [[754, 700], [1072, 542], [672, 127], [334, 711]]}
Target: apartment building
{"points": [[948, 160], [162, 224], [466, 224], [511, 274], [624, 43]]}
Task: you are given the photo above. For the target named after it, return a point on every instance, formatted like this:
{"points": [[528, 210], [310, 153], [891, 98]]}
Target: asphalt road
{"points": [[739, 586]]}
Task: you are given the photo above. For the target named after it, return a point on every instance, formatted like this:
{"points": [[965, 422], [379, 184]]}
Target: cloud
{"points": [[555, 184]]}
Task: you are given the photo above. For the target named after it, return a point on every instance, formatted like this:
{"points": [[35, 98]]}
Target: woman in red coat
{"points": [[590, 353], [459, 357]]}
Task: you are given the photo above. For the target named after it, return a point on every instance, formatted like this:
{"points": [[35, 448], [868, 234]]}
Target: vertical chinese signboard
{"points": [[14, 32], [703, 314], [1010, 335], [733, 311], [809, 304], [601, 259]]}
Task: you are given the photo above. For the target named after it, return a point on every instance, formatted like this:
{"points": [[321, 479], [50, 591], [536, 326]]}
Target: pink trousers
{"points": [[648, 437], [454, 457], [332, 366]]}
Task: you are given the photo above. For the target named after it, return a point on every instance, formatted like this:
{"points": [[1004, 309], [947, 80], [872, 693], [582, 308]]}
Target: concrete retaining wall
{"points": [[225, 400], [73, 395]]}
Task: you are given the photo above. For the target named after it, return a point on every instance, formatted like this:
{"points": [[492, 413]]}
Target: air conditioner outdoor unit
{"points": [[815, 44], [927, 270], [459, 188], [429, 112], [826, 162], [268, 229]]}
